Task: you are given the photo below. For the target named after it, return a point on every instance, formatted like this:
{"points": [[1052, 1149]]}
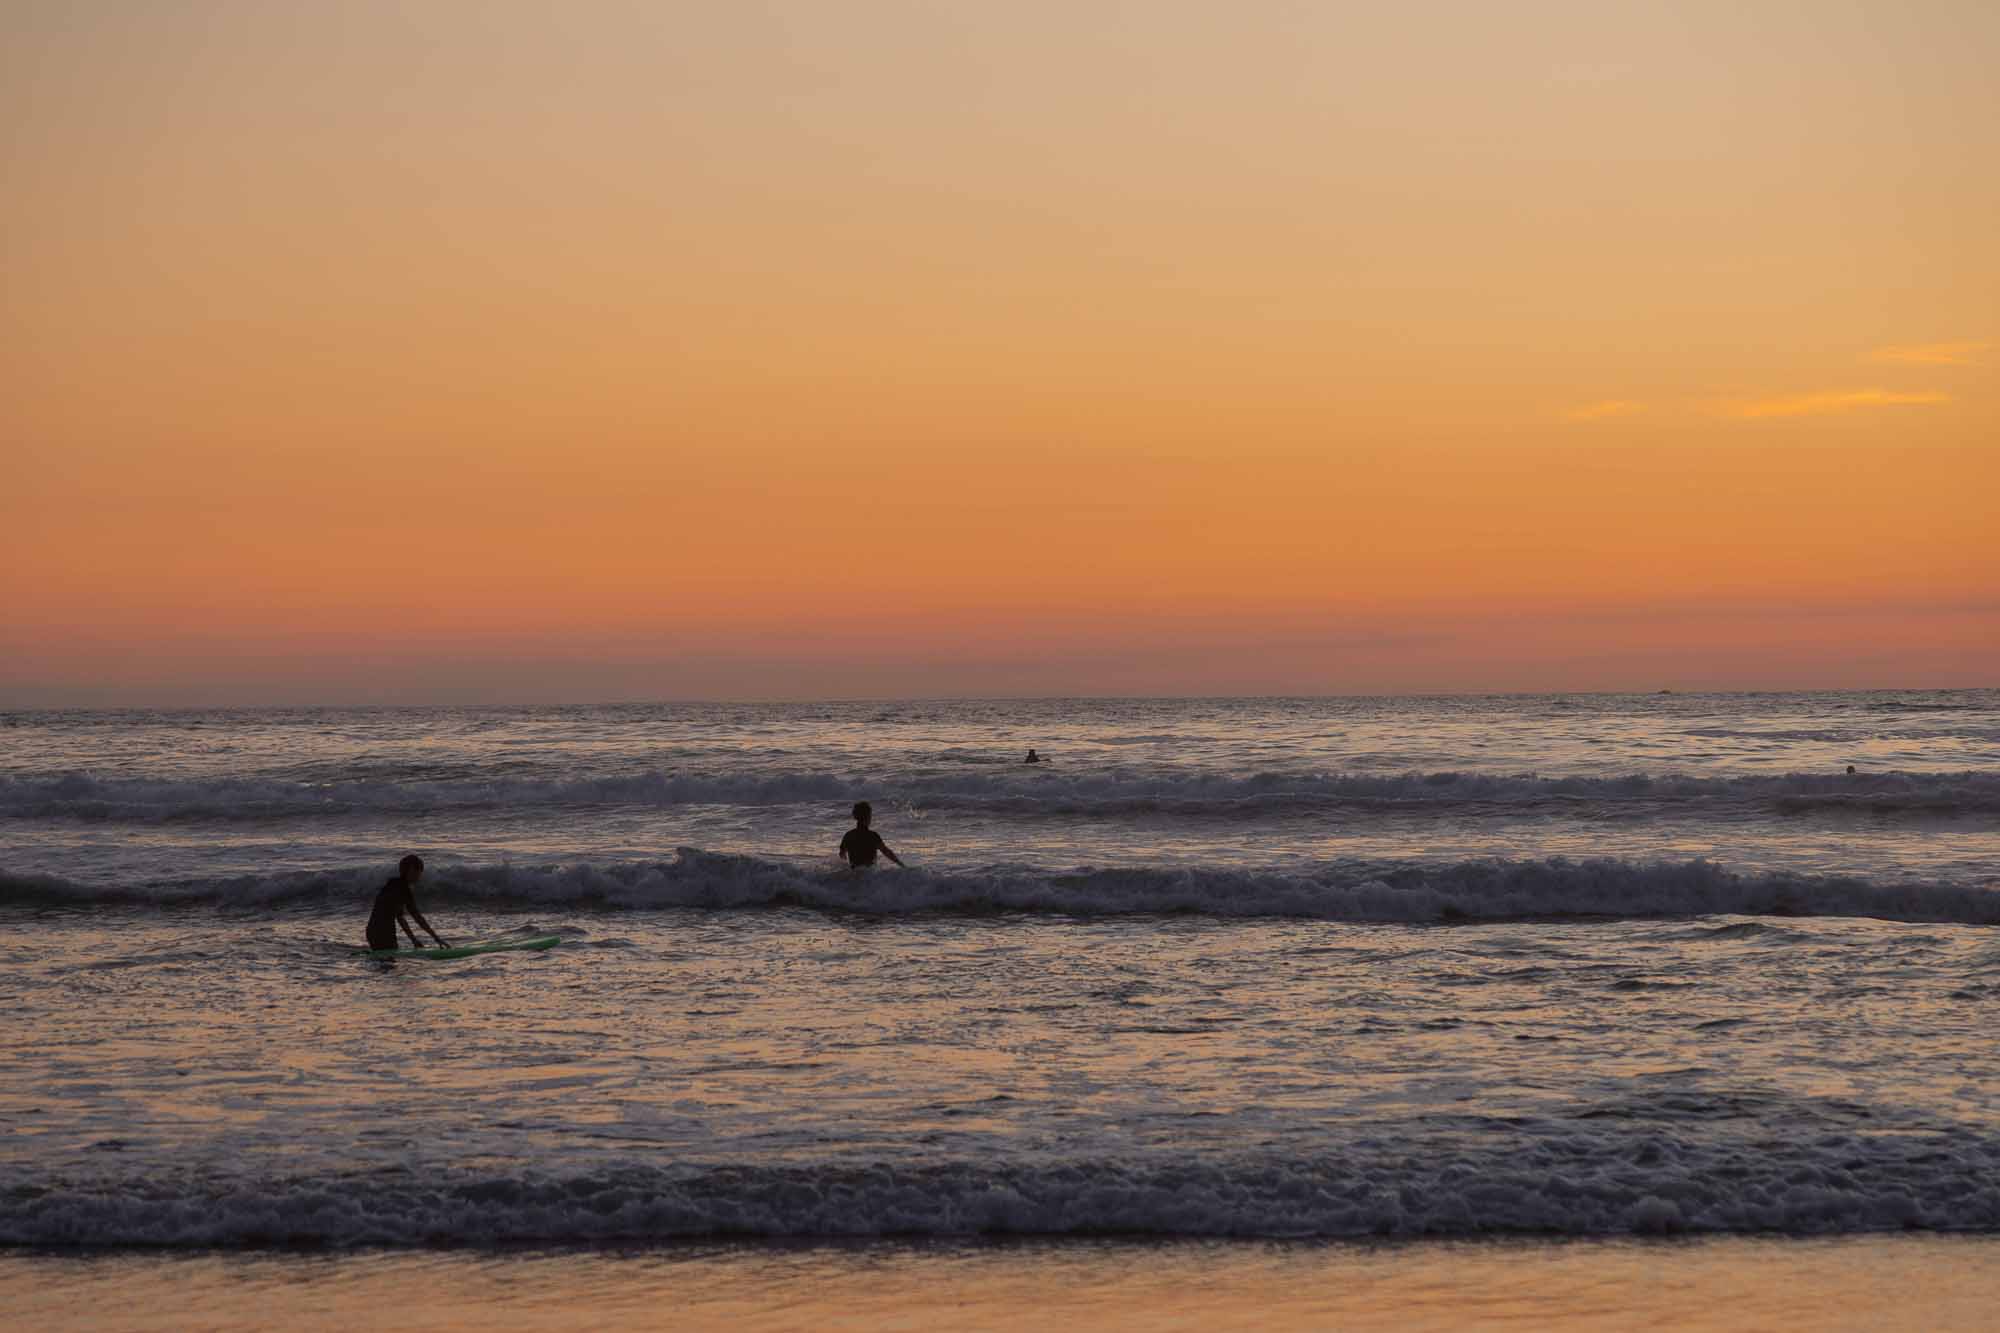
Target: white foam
{"points": [[1489, 889], [1558, 1181], [1106, 794]]}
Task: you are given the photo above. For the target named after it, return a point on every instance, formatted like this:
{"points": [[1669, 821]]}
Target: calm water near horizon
{"points": [[1231, 975]]}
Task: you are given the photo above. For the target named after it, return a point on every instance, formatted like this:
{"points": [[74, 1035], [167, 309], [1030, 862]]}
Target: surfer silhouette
{"points": [[394, 899], [1032, 758], [860, 844]]}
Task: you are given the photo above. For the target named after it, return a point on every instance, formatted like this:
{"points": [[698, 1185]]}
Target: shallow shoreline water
{"points": [[788, 1072], [1933, 1283]]}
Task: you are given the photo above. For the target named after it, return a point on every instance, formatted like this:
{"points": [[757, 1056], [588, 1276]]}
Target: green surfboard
{"points": [[467, 950]]}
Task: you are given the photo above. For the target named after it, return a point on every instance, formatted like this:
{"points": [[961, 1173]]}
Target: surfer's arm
{"points": [[404, 922], [425, 924], [891, 855]]}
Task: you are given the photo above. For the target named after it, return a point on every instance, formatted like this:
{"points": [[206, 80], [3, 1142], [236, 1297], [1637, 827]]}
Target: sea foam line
{"points": [[1356, 890], [82, 796], [1579, 1183]]}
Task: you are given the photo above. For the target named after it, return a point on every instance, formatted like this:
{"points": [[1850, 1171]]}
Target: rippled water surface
{"points": [[1284, 969]]}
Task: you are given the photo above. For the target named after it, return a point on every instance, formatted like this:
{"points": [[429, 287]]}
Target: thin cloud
{"points": [[1933, 354], [1827, 404], [1610, 407]]}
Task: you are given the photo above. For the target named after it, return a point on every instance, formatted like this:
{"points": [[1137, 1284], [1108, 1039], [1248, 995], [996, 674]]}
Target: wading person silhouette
{"points": [[861, 843], [394, 899]]}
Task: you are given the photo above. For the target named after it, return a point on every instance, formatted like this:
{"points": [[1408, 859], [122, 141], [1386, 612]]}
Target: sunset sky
{"points": [[486, 350]]}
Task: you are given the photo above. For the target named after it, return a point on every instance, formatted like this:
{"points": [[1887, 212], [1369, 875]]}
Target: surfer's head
{"points": [[863, 812], [411, 868]]}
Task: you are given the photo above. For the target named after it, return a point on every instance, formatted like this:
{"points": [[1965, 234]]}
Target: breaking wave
{"points": [[1353, 890], [92, 798], [1564, 1180]]}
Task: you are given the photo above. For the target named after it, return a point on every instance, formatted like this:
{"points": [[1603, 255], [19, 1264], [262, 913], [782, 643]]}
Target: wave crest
{"points": [[1106, 795], [1560, 1182], [1352, 890]]}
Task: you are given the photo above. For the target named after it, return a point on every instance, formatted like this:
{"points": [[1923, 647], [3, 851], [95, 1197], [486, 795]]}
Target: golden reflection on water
{"points": [[1870, 1282]]}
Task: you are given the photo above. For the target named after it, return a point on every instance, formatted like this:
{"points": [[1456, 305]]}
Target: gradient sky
{"points": [[487, 350]]}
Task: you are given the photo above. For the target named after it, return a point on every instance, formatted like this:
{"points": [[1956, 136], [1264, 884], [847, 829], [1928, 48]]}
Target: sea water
{"points": [[1421, 972]]}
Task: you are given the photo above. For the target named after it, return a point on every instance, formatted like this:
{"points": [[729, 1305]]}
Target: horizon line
{"points": [[722, 702]]}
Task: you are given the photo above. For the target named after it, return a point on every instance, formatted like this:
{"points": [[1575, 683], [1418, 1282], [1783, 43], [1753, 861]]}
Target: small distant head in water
{"points": [[1850, 770], [411, 868], [1032, 758], [863, 812]]}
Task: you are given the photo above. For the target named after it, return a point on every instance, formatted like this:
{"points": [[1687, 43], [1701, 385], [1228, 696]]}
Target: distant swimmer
{"points": [[1850, 770], [1032, 758], [859, 845], [394, 899]]}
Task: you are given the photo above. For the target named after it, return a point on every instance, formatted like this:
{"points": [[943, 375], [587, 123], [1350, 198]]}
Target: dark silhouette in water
{"points": [[392, 900], [1032, 758], [860, 844], [1850, 770]]}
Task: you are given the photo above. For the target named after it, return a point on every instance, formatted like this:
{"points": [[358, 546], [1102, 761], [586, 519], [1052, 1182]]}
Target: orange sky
{"points": [[495, 350]]}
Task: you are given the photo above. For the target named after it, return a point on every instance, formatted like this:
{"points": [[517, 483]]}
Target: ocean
{"points": [[1266, 996]]}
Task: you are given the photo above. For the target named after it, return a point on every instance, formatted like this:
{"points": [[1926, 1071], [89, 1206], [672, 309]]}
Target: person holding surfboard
{"points": [[394, 899], [861, 843]]}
